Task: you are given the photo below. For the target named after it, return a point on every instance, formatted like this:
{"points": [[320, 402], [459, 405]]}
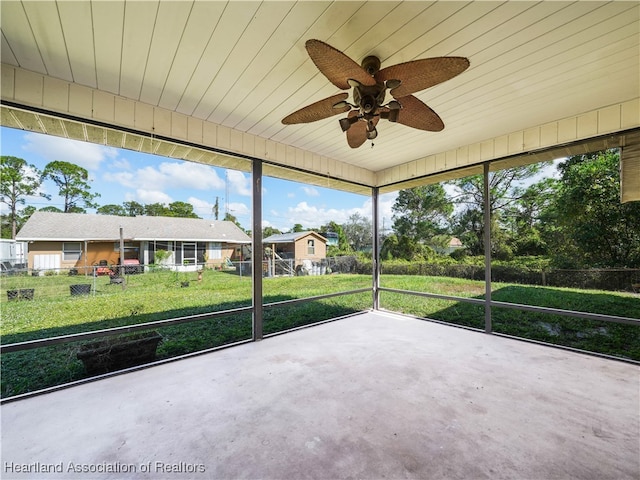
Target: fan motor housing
{"points": [[371, 65]]}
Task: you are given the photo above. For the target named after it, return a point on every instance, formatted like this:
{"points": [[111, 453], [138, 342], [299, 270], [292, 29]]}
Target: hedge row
{"points": [[597, 279]]}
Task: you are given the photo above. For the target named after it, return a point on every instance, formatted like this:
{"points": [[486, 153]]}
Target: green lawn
{"points": [[158, 295], [603, 337]]}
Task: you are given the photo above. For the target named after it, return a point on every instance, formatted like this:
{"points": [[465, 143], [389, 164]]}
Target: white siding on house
{"points": [[12, 251]]}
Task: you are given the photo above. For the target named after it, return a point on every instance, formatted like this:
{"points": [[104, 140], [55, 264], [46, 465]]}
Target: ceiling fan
{"points": [[370, 85]]}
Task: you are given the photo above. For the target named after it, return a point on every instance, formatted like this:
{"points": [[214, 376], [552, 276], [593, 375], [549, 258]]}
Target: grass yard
{"points": [[614, 339], [158, 295]]}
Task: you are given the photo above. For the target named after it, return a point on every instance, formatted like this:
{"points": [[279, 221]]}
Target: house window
{"points": [[71, 251], [215, 251], [311, 247]]}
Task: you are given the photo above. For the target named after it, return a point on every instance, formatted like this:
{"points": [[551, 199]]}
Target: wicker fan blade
{"points": [[420, 74], [357, 134], [336, 66], [317, 111], [416, 114]]}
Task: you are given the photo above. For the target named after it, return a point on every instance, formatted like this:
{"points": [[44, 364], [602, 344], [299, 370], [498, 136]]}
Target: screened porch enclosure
{"points": [[361, 378], [186, 254], [194, 255], [252, 300]]}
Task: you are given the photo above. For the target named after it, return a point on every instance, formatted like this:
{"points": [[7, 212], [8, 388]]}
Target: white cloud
{"points": [[124, 179], [310, 216], [385, 211], [190, 175], [169, 175], [310, 191], [128, 197], [151, 196], [239, 183], [238, 209], [86, 155], [315, 216], [202, 208], [121, 164]]}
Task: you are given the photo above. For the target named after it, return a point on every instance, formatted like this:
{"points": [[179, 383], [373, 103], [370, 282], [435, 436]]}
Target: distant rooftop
{"points": [[79, 227], [289, 237]]}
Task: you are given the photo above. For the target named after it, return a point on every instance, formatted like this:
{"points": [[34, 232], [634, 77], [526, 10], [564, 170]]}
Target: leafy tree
{"points": [[133, 209], [73, 184], [112, 209], [181, 209], [505, 187], [156, 210], [21, 219], [505, 190], [526, 218], [358, 231], [216, 209], [343, 246], [297, 228], [268, 231], [594, 228], [50, 208], [24, 215], [469, 228], [5, 226], [406, 248], [421, 213], [231, 218], [17, 181]]}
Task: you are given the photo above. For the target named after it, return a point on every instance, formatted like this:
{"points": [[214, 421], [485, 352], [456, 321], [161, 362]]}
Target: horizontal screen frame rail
{"points": [[518, 306]]}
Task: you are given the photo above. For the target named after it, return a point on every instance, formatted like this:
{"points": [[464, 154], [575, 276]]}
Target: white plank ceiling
{"points": [[243, 65]]}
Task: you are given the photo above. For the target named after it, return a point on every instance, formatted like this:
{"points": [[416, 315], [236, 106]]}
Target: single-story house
{"points": [[81, 241], [304, 249]]}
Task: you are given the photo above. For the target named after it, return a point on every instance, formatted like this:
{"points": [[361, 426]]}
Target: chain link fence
{"points": [[28, 284], [31, 284], [611, 279], [301, 267]]}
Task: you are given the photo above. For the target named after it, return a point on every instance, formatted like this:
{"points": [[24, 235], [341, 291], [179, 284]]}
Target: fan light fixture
{"points": [[370, 84]]}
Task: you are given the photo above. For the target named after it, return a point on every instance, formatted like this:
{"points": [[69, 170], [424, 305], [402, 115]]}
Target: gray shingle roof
{"points": [[80, 226]]}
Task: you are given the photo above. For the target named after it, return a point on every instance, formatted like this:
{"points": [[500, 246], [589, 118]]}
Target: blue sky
{"points": [[120, 175]]}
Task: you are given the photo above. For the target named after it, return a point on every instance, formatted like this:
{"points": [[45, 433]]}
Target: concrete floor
{"points": [[371, 396]]}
